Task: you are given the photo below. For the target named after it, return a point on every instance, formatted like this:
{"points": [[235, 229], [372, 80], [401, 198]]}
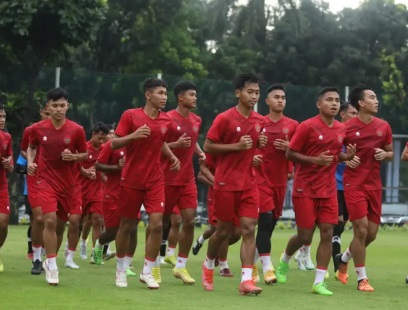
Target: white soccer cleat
{"points": [[82, 252], [162, 262], [121, 280], [71, 264], [307, 262], [51, 276], [149, 280]]}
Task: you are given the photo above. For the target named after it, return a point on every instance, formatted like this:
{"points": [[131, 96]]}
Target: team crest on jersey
{"points": [[379, 133], [67, 140], [258, 128], [195, 128], [164, 129], [285, 131]]}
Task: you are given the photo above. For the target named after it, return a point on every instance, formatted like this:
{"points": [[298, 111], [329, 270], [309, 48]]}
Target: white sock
{"points": [[121, 264], [83, 242], [98, 245], [285, 257], [201, 239], [170, 251], [347, 256], [256, 257], [306, 250], [52, 263], [361, 273], [223, 264], [266, 262], [37, 252], [320, 274], [336, 239], [246, 274], [148, 265], [209, 263], [128, 261], [181, 262], [157, 262], [70, 256]]}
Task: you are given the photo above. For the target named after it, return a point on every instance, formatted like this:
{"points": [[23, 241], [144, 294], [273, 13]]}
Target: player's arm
{"points": [[110, 168], [386, 153], [404, 155], [349, 154], [324, 159], [205, 175], [31, 154], [141, 133], [210, 146], [175, 162], [182, 141], [203, 179]]}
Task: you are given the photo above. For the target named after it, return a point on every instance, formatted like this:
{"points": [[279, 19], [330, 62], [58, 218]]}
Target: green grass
{"points": [[93, 287]]}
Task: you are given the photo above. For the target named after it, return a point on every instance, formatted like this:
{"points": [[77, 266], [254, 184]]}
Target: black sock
{"points": [[29, 243], [163, 248], [105, 249]]}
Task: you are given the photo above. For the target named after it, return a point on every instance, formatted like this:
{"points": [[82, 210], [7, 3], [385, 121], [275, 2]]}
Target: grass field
{"points": [[93, 287]]}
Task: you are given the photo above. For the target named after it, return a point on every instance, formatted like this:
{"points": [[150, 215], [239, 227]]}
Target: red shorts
{"points": [[4, 200], [230, 206], [77, 207], [312, 211], [110, 213], [362, 204], [131, 200], [176, 210], [32, 191], [185, 197], [91, 207], [271, 199], [50, 201], [212, 219]]}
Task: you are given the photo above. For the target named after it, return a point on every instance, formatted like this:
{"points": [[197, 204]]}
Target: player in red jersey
{"points": [[233, 137], [180, 186], [37, 224], [62, 143], [6, 158], [143, 131], [92, 192], [362, 185], [272, 172], [316, 147], [404, 157]]}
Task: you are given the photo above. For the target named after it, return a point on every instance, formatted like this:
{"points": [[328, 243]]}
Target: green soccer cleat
{"points": [[282, 271], [97, 256], [130, 273], [321, 289], [1, 266]]}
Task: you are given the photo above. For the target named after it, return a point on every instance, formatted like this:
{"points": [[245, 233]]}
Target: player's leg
{"points": [[73, 239], [175, 224], [29, 212], [339, 228], [212, 222], [97, 223], [86, 229], [163, 246], [50, 245], [131, 251], [4, 218], [223, 250], [37, 240]]}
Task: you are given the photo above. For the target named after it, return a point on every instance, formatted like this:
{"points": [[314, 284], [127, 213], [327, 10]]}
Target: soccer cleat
{"points": [[109, 255], [82, 252], [183, 275], [282, 271], [255, 274], [37, 267], [207, 278], [130, 273], [327, 275], [162, 262], [71, 264], [196, 247], [299, 259], [321, 289], [341, 273], [226, 273], [30, 256], [1, 266], [170, 259], [270, 277], [97, 255], [406, 280], [157, 274], [121, 280], [149, 280], [307, 262], [249, 288], [364, 286], [51, 276], [301, 265]]}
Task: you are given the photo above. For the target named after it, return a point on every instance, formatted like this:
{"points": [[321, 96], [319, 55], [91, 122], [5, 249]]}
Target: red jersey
{"points": [[26, 138], [111, 157], [210, 162], [142, 167], [191, 127], [367, 137], [57, 172], [91, 189], [6, 150], [313, 137], [234, 169], [275, 167]]}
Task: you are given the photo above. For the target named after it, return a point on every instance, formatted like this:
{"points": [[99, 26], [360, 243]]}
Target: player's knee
{"points": [[3, 224], [38, 220], [338, 229], [370, 237]]}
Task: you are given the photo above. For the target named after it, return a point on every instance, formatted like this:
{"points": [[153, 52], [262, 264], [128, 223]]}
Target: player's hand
{"points": [[32, 169], [6, 162], [324, 159], [121, 163], [175, 164], [90, 173], [354, 163], [281, 144], [262, 140], [290, 176], [351, 151], [201, 158], [141, 133], [245, 142], [67, 155], [184, 141], [257, 160], [380, 154]]}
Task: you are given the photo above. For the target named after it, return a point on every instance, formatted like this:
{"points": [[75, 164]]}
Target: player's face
{"points": [[110, 135], [44, 114], [98, 138], [189, 99], [350, 113], [276, 100], [329, 104], [2, 119], [57, 109], [248, 95], [369, 102], [157, 97]]}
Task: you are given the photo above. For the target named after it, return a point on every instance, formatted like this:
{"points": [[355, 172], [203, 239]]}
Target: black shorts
{"points": [[28, 209], [342, 205]]}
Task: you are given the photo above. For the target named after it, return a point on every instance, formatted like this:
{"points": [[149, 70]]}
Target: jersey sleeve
{"points": [[388, 135], [216, 131], [125, 125], [9, 150], [25, 140], [104, 155], [80, 141], [299, 138], [290, 167], [292, 132], [33, 137]]}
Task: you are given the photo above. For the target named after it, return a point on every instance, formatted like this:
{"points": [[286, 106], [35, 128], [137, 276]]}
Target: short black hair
{"points": [[110, 126], [149, 84], [242, 79], [2, 107], [55, 94], [344, 106], [183, 86], [357, 94], [326, 90], [275, 87], [101, 127]]}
